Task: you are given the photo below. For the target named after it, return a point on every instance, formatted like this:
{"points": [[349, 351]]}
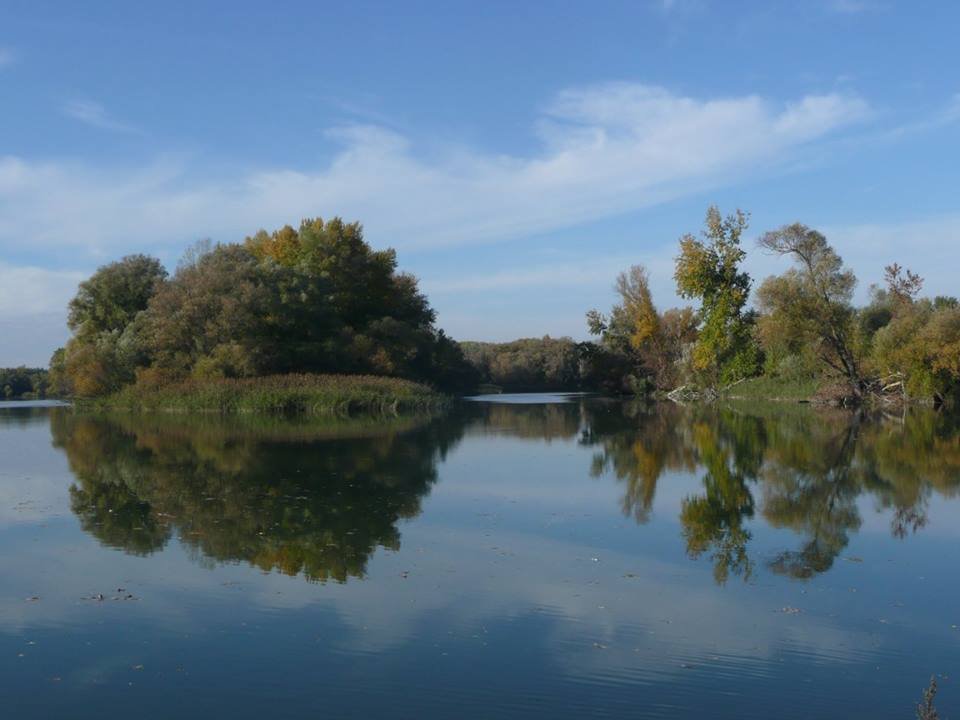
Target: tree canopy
{"points": [[812, 302], [317, 299], [708, 269]]}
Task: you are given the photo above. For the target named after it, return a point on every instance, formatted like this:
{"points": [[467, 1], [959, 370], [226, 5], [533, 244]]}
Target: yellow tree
{"points": [[708, 269]]}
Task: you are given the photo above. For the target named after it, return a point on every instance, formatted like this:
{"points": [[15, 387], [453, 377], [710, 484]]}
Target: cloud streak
{"points": [[95, 115], [604, 150]]}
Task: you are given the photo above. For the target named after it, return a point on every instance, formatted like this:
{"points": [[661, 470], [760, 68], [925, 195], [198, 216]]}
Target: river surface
{"points": [[533, 556]]}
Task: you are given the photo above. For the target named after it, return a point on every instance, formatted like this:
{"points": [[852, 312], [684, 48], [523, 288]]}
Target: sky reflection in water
{"points": [[565, 559]]}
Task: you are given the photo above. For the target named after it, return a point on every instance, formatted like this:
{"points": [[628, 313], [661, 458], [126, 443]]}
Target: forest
{"points": [[23, 383], [319, 300]]}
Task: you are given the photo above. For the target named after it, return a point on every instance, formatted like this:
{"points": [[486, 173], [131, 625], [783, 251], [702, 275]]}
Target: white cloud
{"points": [[7, 57], [34, 290], [605, 149], [33, 305], [95, 115]]}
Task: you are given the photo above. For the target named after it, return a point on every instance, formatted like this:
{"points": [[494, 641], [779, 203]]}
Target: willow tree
{"points": [[709, 269], [813, 299]]}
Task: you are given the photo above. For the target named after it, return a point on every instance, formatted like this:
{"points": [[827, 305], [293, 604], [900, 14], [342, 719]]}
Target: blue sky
{"points": [[517, 155]]}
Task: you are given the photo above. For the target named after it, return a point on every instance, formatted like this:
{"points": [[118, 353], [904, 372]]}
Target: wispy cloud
{"points": [[605, 150], [557, 275], [7, 57], [95, 115], [946, 116], [867, 248]]}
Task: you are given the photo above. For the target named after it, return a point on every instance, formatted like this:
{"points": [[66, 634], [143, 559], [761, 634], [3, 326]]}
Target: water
{"points": [[569, 558]]}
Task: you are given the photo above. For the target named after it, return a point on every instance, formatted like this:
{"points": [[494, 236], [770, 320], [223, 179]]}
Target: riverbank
{"points": [[773, 389], [819, 391], [304, 394]]}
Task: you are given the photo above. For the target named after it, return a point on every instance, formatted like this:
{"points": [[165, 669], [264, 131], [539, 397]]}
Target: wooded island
{"points": [[314, 318]]}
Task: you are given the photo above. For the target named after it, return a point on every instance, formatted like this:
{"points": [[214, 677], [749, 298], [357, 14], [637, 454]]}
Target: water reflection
{"points": [[547, 421], [318, 499], [808, 467], [523, 587], [295, 497]]}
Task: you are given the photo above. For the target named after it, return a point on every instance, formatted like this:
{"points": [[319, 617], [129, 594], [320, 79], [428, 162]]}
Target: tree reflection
{"points": [[638, 443], [903, 459], [730, 448], [318, 498], [809, 486], [298, 497], [808, 467], [533, 421]]}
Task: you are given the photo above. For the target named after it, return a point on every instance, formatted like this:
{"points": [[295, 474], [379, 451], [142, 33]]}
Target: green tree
{"points": [[215, 317], [59, 380], [709, 269], [921, 345], [811, 302], [114, 294], [105, 350]]}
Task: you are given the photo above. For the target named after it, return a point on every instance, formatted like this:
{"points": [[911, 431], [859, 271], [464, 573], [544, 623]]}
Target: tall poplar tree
{"points": [[708, 269]]}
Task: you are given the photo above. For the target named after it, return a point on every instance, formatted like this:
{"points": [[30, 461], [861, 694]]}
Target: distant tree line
{"points": [[23, 383], [804, 324], [528, 365], [552, 364], [314, 299]]}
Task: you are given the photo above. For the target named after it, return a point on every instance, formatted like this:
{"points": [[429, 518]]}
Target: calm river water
{"points": [[556, 557]]}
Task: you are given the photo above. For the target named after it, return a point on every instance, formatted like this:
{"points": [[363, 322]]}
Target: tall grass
{"points": [[771, 388], [310, 394]]}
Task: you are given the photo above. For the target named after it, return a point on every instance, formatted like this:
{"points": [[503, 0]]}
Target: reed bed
{"points": [[290, 394]]}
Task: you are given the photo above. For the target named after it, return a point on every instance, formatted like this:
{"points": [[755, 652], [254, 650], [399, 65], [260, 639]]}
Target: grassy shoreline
{"points": [[773, 390], [304, 394]]}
